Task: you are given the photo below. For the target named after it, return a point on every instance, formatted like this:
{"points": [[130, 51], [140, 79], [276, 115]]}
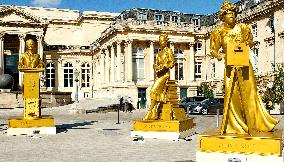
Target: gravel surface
{"points": [[97, 137]]}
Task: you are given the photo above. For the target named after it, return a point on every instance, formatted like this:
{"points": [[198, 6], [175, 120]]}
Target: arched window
{"points": [[85, 78], [179, 64], [68, 75], [50, 75]]}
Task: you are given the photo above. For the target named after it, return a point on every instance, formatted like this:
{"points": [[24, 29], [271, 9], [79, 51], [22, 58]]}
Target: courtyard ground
{"points": [[97, 137]]}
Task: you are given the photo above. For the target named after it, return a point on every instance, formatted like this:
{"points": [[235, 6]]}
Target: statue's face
{"points": [[30, 45], [163, 41], [230, 17]]}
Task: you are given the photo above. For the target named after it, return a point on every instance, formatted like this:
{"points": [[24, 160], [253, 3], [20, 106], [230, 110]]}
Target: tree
{"points": [[206, 90], [275, 93]]}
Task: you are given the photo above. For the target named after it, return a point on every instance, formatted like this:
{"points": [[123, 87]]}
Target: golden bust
{"points": [[244, 111], [30, 59], [164, 62]]}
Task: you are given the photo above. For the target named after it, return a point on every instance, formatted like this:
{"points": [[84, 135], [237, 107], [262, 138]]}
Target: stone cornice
{"points": [[261, 10]]}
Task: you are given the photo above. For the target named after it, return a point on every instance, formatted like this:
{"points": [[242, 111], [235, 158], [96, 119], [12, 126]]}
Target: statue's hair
{"points": [[30, 40], [226, 6], [165, 36]]}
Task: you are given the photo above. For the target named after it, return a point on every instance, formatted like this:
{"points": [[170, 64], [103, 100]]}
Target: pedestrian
{"points": [[130, 106]]}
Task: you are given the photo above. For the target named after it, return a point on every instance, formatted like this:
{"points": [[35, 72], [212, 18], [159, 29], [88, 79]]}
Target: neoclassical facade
{"points": [[113, 53]]}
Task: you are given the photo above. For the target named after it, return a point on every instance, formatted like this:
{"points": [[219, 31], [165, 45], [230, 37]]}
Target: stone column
{"points": [[129, 67], [102, 67], [172, 71], [191, 62], [118, 61], [39, 46], [152, 77], [2, 53], [21, 50], [107, 66], [112, 57]]}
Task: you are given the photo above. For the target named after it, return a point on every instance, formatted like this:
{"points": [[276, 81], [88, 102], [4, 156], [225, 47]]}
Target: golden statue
{"points": [[244, 111], [30, 59], [164, 62]]}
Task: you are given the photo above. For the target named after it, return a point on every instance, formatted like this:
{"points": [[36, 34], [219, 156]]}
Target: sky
{"points": [[185, 6]]}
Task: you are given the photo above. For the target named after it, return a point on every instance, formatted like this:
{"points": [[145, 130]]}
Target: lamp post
{"points": [[76, 74]]}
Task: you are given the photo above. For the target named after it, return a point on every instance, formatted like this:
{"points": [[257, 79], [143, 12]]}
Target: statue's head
{"points": [[30, 44], [228, 12], [163, 40]]}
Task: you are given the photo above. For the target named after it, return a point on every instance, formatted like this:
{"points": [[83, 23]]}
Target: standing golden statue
{"points": [[164, 119], [164, 62], [244, 111], [30, 59]]}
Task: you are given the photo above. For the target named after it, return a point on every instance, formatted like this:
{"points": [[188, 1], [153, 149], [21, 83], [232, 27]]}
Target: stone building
{"points": [[114, 52]]}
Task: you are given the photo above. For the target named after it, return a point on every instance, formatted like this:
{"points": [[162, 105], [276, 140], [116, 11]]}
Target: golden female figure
{"points": [[164, 62], [244, 111]]}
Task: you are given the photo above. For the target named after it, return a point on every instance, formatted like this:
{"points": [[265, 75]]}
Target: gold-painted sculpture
{"points": [[30, 59], [244, 111], [31, 65], [164, 114], [164, 62], [247, 127]]}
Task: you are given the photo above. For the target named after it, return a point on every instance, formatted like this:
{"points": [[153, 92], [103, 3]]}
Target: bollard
{"points": [[218, 112], [119, 108]]}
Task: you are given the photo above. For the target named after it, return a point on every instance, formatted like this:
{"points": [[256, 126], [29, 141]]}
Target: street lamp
{"points": [[76, 74]]}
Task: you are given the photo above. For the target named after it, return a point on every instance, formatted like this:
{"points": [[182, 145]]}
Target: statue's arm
{"points": [[171, 59], [215, 44], [248, 37]]}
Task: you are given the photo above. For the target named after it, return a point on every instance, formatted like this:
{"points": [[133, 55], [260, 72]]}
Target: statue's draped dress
{"points": [[246, 111], [164, 61]]}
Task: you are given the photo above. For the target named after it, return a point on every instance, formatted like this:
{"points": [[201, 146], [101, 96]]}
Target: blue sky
{"points": [[187, 6]]}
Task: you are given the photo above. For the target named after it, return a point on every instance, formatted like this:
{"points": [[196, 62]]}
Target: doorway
{"points": [[142, 98], [183, 93]]}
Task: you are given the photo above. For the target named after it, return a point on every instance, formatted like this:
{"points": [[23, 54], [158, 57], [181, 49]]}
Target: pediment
{"points": [[15, 18], [11, 14]]}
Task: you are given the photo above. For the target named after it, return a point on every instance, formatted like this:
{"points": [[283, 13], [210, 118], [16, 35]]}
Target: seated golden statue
{"points": [[244, 111], [164, 62], [30, 59]]}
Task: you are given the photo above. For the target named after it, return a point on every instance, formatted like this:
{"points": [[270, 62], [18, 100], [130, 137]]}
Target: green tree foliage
{"points": [[276, 92], [206, 90]]}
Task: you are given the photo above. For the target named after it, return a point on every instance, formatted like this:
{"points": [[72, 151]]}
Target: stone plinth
{"points": [[260, 146]]}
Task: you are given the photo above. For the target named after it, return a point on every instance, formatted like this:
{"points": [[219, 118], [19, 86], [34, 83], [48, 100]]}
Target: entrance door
{"points": [[142, 98], [11, 67], [183, 93]]}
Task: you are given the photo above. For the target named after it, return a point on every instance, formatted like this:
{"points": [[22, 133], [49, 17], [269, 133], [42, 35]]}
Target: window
{"points": [[255, 58], [156, 51], [68, 75], [85, 75], [142, 16], [213, 70], [271, 24], [179, 64], [198, 46], [198, 69], [195, 22], [138, 64], [254, 30], [175, 19], [50, 75], [159, 18]]}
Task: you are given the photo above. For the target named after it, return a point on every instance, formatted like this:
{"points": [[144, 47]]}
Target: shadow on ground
{"points": [[64, 127]]}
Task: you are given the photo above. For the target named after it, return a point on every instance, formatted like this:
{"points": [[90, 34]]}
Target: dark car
{"points": [[188, 102], [209, 106]]}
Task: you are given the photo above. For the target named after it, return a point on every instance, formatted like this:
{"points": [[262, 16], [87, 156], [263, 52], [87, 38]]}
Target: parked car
{"points": [[188, 102], [209, 106]]}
